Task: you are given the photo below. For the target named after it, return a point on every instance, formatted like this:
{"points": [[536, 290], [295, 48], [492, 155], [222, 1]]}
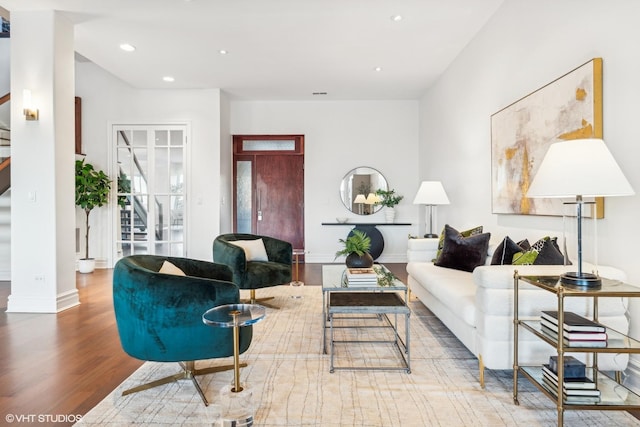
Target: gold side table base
{"points": [[253, 300], [189, 372]]}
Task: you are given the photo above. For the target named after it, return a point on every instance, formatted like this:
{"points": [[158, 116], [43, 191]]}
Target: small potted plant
{"points": [[389, 199], [92, 191], [356, 248]]}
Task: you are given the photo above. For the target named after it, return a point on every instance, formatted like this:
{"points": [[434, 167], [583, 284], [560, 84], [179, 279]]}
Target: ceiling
{"points": [[276, 49]]}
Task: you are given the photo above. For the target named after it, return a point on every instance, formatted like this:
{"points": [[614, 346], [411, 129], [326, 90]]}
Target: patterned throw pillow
{"points": [[506, 250], [466, 233], [543, 252]]}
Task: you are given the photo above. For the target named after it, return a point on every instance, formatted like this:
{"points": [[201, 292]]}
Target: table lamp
{"points": [[372, 199], [431, 193], [579, 168], [360, 199]]}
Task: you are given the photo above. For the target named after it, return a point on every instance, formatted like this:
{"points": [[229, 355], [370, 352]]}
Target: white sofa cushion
{"points": [[451, 287]]}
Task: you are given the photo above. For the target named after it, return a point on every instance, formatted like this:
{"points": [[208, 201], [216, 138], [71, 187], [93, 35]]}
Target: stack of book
{"points": [[577, 331], [361, 277], [577, 387]]}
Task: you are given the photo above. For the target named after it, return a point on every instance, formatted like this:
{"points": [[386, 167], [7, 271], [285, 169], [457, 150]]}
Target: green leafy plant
{"points": [[124, 186], [358, 243], [388, 198], [385, 277], [92, 191]]}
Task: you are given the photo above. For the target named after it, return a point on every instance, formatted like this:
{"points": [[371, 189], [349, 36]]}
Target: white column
{"points": [[42, 164]]}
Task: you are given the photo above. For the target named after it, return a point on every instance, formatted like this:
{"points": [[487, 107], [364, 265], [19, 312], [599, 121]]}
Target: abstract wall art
{"points": [[569, 107]]}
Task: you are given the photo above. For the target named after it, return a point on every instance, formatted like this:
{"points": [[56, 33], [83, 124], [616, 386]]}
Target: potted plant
{"points": [[356, 248], [92, 191], [389, 199]]}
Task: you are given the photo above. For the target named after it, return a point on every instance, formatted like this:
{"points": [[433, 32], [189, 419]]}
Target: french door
{"points": [[151, 189], [269, 186]]}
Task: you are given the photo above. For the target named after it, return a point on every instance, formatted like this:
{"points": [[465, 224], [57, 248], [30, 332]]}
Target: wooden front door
{"points": [[269, 186]]}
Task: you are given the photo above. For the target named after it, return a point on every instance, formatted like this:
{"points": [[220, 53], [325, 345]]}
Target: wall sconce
{"points": [[29, 112]]}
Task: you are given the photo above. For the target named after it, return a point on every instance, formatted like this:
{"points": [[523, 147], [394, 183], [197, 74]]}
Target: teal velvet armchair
{"points": [[159, 316], [255, 274]]}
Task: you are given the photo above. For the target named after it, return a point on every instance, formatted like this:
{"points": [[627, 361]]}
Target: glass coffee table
{"points": [[378, 300]]}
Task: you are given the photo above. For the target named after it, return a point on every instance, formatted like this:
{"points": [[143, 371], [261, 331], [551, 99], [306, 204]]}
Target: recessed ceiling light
{"points": [[223, 52], [396, 18], [168, 79], [377, 69], [127, 47]]}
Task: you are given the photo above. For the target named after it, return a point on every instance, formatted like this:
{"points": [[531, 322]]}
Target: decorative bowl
{"points": [[342, 219]]}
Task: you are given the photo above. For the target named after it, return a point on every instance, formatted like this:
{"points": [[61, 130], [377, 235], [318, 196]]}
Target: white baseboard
{"points": [[100, 264], [37, 304]]}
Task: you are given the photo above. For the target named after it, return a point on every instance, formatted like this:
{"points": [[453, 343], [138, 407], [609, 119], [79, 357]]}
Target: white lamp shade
{"points": [[579, 167], [431, 193], [360, 199], [372, 199]]}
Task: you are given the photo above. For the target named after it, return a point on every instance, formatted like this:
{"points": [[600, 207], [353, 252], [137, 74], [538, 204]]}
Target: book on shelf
{"points": [[573, 368], [361, 274], [361, 277], [591, 392], [573, 322], [553, 333], [578, 383], [571, 399], [578, 336]]}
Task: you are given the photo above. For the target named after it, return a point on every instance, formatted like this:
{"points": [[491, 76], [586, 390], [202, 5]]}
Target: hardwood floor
{"points": [[64, 364]]}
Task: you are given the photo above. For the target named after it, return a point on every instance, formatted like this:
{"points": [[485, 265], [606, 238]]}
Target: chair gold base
{"points": [[253, 300], [189, 371]]}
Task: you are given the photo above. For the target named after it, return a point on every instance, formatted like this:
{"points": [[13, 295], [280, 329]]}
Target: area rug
{"points": [[289, 377]]}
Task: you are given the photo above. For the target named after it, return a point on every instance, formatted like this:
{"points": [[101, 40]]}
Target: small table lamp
{"points": [[579, 168], [372, 199], [431, 193], [360, 199]]}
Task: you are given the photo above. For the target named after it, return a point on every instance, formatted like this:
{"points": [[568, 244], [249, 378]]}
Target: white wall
{"points": [[226, 166], [106, 100], [339, 136], [523, 47]]}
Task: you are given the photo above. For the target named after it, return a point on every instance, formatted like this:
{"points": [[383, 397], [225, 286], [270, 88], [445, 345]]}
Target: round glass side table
{"points": [[237, 409]]}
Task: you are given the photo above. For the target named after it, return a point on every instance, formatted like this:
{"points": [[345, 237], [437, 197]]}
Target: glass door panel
{"points": [[243, 196], [151, 192]]}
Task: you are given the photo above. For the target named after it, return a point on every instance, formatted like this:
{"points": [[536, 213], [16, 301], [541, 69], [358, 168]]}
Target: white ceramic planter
{"points": [[86, 265], [389, 214]]}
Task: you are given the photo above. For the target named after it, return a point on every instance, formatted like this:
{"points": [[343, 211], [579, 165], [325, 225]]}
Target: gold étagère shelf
{"points": [[613, 395]]}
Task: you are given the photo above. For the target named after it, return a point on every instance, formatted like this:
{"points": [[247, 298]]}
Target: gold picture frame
{"points": [[569, 107]]}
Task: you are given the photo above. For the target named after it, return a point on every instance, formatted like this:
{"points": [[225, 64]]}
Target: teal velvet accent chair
{"points": [[250, 274], [159, 316]]}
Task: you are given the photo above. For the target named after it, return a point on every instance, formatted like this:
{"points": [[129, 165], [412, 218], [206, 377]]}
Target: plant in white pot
{"points": [[389, 199], [92, 191]]}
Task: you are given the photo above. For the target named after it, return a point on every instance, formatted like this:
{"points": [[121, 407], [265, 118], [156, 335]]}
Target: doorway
{"points": [[151, 189], [268, 186]]}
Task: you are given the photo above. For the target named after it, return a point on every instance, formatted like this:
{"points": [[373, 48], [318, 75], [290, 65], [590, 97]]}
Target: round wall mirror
{"points": [[356, 186]]}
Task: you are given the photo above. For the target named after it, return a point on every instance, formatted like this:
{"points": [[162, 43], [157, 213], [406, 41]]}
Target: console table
{"points": [[369, 228]]}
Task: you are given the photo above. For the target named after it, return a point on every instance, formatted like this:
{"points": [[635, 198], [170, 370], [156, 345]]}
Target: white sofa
{"points": [[478, 307]]}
